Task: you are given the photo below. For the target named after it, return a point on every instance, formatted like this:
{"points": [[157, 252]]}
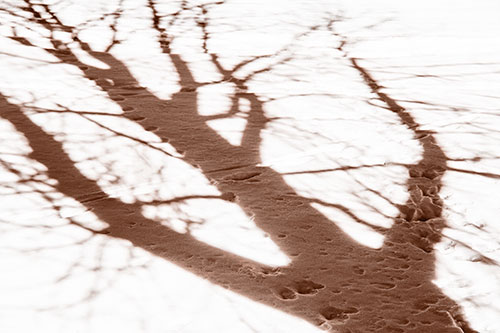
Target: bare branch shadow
{"points": [[332, 281]]}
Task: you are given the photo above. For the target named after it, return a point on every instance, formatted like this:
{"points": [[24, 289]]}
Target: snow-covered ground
{"points": [[69, 69]]}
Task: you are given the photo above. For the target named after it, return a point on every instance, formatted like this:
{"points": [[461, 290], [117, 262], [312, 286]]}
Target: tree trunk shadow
{"points": [[332, 281]]}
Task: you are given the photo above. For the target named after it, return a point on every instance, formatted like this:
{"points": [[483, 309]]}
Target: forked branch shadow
{"points": [[332, 281]]}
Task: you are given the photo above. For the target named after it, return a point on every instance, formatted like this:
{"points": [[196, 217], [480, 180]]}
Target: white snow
{"points": [[438, 59]]}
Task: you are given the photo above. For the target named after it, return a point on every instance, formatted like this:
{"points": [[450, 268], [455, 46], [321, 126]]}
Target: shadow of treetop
{"points": [[332, 281]]}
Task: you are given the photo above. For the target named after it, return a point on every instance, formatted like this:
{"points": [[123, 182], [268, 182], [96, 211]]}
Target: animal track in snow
{"points": [[334, 313], [308, 287], [287, 294], [137, 118], [152, 128], [358, 270], [228, 196]]}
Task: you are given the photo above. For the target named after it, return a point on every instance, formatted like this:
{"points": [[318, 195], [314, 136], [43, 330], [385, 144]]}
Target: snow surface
{"points": [[333, 140]]}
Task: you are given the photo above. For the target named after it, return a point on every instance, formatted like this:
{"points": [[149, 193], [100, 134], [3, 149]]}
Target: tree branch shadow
{"points": [[332, 281]]}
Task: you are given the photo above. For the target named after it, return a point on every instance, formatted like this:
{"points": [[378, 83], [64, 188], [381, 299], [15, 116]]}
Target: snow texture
{"points": [[249, 166]]}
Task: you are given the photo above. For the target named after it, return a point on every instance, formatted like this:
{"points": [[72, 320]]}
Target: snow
{"points": [[335, 143]]}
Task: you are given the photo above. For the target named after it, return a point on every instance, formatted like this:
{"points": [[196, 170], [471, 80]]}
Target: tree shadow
{"points": [[332, 281]]}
